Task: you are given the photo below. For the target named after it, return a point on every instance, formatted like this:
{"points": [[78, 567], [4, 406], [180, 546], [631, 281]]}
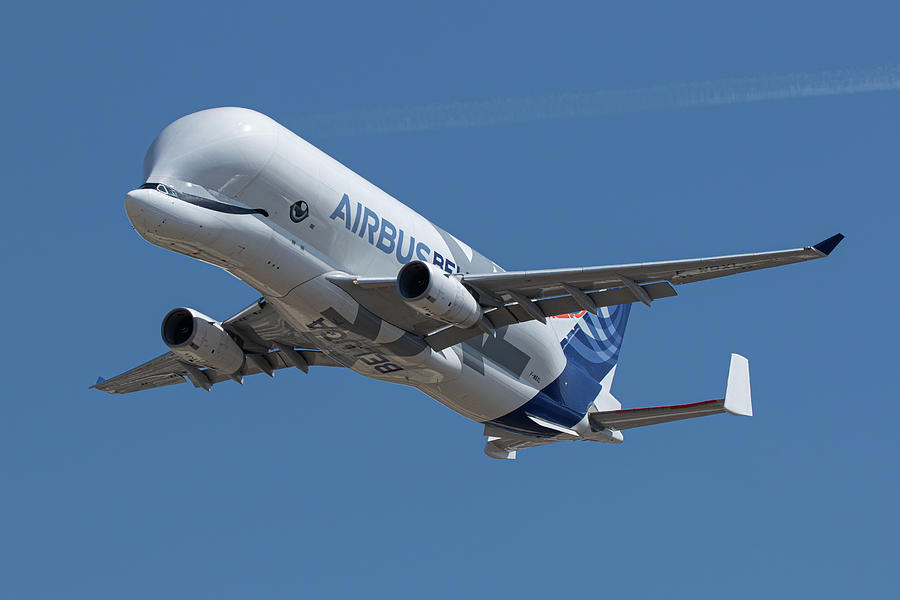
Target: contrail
{"points": [[501, 111]]}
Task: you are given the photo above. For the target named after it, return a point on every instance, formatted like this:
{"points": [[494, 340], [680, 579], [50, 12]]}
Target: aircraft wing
{"points": [[259, 327], [517, 296], [512, 285]]}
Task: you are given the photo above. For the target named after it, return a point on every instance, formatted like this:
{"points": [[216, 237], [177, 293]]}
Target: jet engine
{"points": [[431, 292], [201, 341]]}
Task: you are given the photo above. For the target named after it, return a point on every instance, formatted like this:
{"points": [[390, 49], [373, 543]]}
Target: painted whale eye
{"points": [[299, 211]]}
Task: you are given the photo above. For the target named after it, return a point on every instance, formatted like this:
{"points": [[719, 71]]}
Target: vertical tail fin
{"points": [[594, 341], [592, 344]]}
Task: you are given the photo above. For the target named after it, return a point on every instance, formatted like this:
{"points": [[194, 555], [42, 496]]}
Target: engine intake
{"points": [[431, 292], [201, 341]]}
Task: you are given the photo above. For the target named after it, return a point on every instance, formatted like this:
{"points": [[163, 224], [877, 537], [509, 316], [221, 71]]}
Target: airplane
{"points": [[351, 277]]}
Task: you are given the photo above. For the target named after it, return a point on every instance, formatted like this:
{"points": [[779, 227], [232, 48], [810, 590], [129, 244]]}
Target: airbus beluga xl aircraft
{"points": [[350, 277]]}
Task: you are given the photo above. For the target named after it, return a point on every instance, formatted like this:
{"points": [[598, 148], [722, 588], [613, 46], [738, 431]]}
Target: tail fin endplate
{"points": [[737, 390]]}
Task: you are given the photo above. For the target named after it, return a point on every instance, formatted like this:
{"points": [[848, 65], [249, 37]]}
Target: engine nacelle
{"points": [[201, 341], [428, 290]]}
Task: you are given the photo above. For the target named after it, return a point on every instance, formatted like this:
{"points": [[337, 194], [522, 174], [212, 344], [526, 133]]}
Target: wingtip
{"points": [[826, 246]]}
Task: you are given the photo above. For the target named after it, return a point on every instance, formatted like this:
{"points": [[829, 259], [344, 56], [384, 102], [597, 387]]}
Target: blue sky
{"points": [[331, 485]]}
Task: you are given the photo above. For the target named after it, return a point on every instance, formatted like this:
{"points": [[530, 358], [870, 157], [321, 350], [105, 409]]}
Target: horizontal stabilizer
{"points": [[503, 444], [735, 402], [553, 426]]}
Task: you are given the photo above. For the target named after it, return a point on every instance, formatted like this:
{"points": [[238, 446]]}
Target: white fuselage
{"points": [[322, 218]]}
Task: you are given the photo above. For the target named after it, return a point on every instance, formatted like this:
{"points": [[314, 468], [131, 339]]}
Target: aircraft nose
{"points": [[165, 220], [143, 210]]}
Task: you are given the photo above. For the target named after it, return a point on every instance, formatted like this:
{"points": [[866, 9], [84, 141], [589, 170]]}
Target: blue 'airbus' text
{"points": [[384, 235]]}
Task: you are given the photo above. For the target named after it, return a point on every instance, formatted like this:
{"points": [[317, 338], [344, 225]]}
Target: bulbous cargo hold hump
{"points": [[220, 148]]}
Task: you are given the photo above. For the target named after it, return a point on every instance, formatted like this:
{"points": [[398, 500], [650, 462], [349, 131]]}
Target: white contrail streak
{"points": [[500, 111]]}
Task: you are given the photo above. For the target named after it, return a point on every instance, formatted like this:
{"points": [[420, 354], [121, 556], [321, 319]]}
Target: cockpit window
{"points": [[159, 187], [167, 190]]}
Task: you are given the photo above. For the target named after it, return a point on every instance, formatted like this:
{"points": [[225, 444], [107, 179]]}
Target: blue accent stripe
{"points": [[591, 350]]}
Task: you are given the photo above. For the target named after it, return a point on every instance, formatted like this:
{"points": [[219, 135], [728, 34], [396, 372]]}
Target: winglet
{"points": [[826, 246], [737, 391], [100, 380]]}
